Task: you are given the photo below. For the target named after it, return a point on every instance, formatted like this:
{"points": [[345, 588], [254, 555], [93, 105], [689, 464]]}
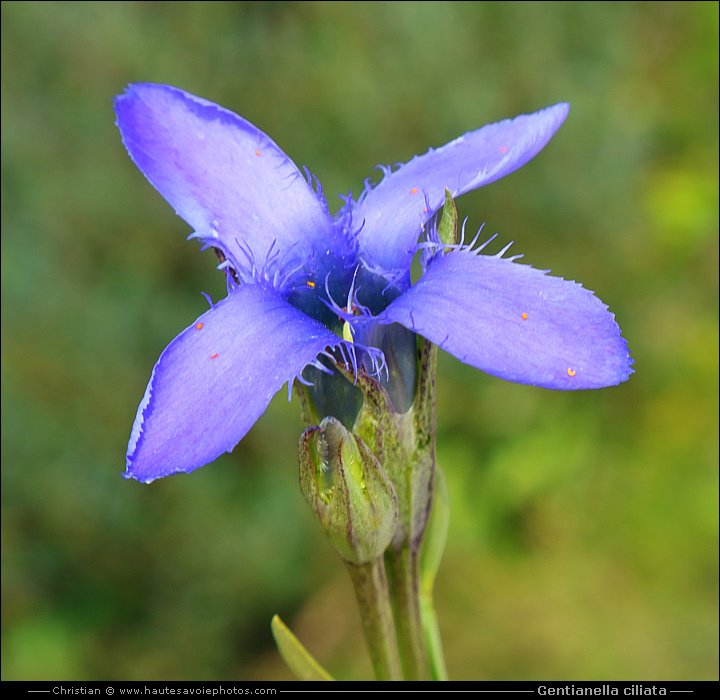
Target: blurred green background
{"points": [[583, 540]]}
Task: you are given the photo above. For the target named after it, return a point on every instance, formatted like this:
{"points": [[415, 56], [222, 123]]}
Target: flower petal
{"points": [[515, 322], [216, 379], [395, 210], [221, 174]]}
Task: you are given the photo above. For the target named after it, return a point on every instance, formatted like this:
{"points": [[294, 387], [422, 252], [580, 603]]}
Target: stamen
{"points": [[571, 372], [212, 357], [199, 326], [257, 153], [413, 190], [310, 283], [503, 149], [524, 317]]}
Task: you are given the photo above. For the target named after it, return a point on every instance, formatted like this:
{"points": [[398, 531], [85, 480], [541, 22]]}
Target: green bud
{"points": [[447, 228], [348, 491]]}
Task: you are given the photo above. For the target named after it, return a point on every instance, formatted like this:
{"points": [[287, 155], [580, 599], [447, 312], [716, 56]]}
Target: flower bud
{"points": [[347, 489]]}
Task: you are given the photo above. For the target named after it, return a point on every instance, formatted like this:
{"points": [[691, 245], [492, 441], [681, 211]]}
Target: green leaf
{"points": [[432, 551], [295, 655]]}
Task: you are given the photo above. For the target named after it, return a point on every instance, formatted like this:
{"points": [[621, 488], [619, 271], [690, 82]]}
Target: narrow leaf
{"points": [[295, 655]]}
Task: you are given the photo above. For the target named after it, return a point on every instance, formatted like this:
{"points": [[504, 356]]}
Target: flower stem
{"points": [[371, 591], [403, 567]]}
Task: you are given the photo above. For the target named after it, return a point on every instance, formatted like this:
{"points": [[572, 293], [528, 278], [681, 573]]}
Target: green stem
{"points": [[371, 591], [403, 567]]}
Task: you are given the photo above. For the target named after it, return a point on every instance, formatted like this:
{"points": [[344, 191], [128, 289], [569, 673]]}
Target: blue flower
{"points": [[306, 288]]}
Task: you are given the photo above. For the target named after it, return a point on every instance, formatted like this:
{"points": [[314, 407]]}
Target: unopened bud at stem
{"points": [[347, 489]]}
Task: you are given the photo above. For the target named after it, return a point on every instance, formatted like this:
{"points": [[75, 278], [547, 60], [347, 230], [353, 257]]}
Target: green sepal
{"points": [[295, 655], [447, 228], [436, 532], [404, 443]]}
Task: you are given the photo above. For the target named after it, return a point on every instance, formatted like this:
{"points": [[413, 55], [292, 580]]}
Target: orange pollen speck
{"points": [[413, 190], [571, 372], [310, 284], [524, 317], [257, 153], [503, 149], [199, 326], [212, 357]]}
